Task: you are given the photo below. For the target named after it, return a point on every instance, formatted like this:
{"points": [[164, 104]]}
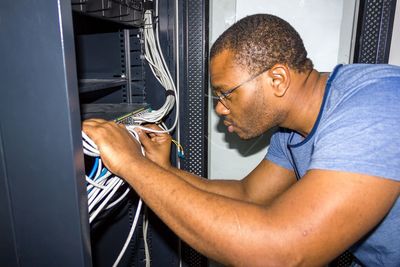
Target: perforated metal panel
{"points": [[375, 31], [196, 99], [194, 108], [344, 260]]}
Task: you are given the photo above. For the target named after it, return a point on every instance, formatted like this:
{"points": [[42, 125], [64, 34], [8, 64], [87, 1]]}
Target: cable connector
{"points": [[181, 154]]}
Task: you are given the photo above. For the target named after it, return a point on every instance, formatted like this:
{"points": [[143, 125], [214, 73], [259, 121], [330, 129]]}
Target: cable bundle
{"points": [[155, 58], [102, 185]]}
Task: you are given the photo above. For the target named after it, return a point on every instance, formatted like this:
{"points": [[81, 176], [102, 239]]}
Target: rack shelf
{"points": [[89, 85], [111, 111], [127, 13]]}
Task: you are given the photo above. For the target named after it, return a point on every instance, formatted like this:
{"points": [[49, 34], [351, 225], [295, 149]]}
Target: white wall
{"points": [[327, 39], [394, 55]]}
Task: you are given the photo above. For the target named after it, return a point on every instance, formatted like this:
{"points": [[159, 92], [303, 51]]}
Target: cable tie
{"points": [[169, 92]]}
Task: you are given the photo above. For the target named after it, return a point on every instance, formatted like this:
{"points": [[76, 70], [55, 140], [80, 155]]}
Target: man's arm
{"points": [[308, 225], [261, 186]]}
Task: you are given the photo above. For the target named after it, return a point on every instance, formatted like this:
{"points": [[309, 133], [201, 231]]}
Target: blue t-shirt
{"points": [[357, 130]]}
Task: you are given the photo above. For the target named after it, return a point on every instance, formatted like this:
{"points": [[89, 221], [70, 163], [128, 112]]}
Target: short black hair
{"points": [[260, 41]]}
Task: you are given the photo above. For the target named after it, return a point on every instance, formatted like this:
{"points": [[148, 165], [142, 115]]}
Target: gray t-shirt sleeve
{"points": [[356, 140], [276, 151]]}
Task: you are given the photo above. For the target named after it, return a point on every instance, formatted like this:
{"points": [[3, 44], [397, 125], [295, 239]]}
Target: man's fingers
{"points": [[144, 138], [94, 121], [156, 137], [153, 127], [98, 128]]}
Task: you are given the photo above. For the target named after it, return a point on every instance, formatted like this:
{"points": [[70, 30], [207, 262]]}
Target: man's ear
{"points": [[279, 79]]}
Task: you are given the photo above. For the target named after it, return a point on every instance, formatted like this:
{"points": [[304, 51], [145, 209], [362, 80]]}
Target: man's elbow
{"points": [[265, 258]]}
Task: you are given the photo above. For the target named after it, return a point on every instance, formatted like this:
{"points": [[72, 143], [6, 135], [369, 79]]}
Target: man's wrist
{"points": [[167, 166], [134, 166]]}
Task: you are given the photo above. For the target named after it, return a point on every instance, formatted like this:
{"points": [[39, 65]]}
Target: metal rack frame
{"points": [[43, 198]]}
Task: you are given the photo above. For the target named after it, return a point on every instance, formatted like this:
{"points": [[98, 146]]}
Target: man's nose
{"points": [[221, 109]]}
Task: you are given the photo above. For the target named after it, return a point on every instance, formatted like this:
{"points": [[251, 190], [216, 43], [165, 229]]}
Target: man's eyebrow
{"points": [[215, 87], [219, 87]]}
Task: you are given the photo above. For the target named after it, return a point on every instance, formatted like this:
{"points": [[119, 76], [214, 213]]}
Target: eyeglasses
{"points": [[223, 96]]}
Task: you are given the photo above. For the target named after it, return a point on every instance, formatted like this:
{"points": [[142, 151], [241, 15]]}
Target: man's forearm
{"points": [[212, 224], [228, 188]]}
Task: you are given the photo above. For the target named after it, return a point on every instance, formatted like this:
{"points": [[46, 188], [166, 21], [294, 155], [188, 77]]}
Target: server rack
{"points": [[64, 61]]}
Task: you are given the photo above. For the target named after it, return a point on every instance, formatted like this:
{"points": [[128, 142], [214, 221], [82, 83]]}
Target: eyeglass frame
{"points": [[224, 95]]}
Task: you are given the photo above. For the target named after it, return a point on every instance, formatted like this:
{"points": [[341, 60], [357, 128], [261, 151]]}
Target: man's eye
{"points": [[227, 96]]}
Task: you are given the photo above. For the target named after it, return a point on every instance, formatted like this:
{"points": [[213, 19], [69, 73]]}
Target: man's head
{"points": [[255, 57], [261, 41]]}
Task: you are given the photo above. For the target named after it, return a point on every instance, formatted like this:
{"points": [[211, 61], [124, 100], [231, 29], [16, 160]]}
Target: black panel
{"points": [[99, 66], [195, 87], [137, 67], [110, 231], [8, 244], [43, 196], [194, 103], [125, 12], [374, 31], [40, 132]]}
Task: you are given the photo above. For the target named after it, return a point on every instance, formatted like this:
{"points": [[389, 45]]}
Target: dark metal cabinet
{"points": [[52, 78]]}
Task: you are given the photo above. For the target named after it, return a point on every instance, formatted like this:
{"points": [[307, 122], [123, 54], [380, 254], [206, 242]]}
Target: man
{"points": [[330, 180]]}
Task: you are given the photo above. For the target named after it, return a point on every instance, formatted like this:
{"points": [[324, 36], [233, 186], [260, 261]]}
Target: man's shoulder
{"points": [[361, 89], [356, 74]]}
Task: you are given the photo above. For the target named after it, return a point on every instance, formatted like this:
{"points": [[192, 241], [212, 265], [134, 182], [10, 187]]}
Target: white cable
{"points": [[89, 147], [90, 181], [102, 188], [102, 180], [99, 194], [146, 245], [101, 206], [109, 188], [91, 143], [135, 220], [119, 199]]}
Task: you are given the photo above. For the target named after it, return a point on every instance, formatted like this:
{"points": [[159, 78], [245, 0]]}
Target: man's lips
{"points": [[229, 125]]}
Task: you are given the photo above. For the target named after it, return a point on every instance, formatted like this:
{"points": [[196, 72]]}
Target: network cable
{"points": [[103, 187], [102, 184]]}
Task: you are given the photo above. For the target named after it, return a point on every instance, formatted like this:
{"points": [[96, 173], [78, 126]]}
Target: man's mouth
{"points": [[229, 125]]}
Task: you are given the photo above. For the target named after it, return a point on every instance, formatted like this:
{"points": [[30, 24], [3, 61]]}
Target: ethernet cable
{"points": [[101, 188], [158, 66], [103, 185]]}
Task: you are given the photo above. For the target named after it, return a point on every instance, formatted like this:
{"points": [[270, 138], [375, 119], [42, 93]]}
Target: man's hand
{"points": [[157, 145], [117, 146]]}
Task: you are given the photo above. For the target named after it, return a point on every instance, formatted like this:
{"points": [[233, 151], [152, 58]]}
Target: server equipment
{"points": [[65, 61]]}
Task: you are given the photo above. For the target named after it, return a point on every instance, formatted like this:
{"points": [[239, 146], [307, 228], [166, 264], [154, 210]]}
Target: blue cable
{"points": [[94, 169]]}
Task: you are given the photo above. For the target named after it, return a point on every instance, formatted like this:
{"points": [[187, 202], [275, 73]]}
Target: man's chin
{"points": [[247, 135], [252, 133]]}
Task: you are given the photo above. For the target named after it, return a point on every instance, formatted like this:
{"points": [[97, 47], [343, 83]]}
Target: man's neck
{"points": [[306, 100]]}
